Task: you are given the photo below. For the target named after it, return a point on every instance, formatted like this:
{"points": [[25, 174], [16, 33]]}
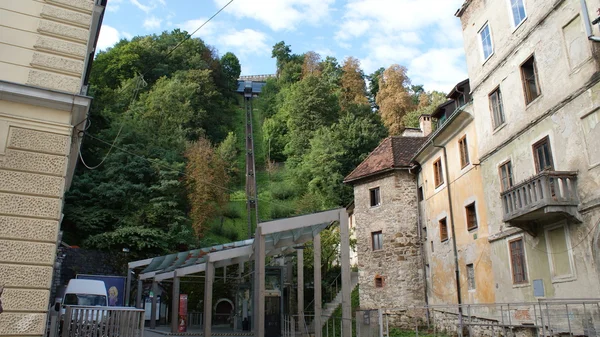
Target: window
{"points": [[471, 217], [517, 261], [486, 41], [464, 151], [378, 281], [497, 108], [427, 272], [438, 176], [374, 195], [543, 155], [377, 238], [506, 175], [531, 83], [559, 252], [443, 230], [518, 11], [420, 193], [432, 250], [471, 276]]}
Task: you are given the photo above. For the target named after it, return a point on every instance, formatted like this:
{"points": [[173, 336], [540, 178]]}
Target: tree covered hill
{"points": [[164, 144]]}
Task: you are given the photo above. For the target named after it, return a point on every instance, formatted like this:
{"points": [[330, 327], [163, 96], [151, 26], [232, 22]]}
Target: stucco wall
{"points": [[466, 187], [566, 112], [399, 262], [43, 43]]}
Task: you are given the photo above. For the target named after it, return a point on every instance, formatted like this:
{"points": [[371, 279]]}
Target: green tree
{"points": [[231, 69], [428, 102], [374, 86], [282, 54], [308, 106]]}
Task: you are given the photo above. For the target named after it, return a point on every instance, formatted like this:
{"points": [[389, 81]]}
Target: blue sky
{"points": [[422, 35]]}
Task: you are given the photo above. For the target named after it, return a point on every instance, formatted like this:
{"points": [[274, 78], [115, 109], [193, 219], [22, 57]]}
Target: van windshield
{"points": [[85, 299]]}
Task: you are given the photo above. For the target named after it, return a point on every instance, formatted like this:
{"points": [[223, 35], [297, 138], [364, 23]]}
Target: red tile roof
{"points": [[393, 152]]}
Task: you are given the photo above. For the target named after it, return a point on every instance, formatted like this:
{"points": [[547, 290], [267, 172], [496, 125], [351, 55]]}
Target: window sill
{"points": [[439, 187], [444, 241], [487, 59], [471, 230], [499, 127], [564, 279], [521, 285], [527, 105], [375, 206], [519, 25]]}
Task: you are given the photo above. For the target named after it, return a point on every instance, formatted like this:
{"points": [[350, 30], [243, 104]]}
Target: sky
{"points": [[422, 35]]}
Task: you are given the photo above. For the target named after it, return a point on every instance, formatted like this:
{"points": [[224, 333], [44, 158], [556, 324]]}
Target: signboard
{"points": [[115, 287], [183, 302]]}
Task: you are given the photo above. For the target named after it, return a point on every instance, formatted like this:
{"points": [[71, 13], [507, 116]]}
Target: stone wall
{"points": [[399, 262]]}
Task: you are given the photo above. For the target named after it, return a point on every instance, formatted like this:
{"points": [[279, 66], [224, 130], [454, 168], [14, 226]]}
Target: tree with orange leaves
{"points": [[393, 98]]}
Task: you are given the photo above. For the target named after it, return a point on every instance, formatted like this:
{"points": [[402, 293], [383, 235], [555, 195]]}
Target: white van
{"points": [[86, 293]]}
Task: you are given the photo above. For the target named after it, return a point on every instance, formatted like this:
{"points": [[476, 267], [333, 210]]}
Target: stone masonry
{"points": [[399, 262]]}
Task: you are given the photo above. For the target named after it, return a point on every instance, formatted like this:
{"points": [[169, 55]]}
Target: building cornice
{"points": [[46, 98]]}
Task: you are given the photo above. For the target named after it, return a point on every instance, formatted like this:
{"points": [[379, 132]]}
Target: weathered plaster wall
{"points": [[566, 112], [466, 186], [399, 262], [33, 164], [43, 43]]}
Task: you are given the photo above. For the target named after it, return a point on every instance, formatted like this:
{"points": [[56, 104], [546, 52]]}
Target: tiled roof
{"points": [[393, 152]]}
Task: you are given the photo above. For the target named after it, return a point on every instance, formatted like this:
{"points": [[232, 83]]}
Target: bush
{"points": [[282, 191], [233, 211], [279, 211]]}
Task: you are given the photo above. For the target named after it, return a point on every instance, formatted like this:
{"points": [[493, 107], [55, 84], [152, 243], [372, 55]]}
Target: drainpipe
{"points": [[586, 22], [456, 268], [422, 244]]}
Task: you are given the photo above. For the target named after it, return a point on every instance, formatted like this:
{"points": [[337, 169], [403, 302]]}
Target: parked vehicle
{"points": [[85, 293]]}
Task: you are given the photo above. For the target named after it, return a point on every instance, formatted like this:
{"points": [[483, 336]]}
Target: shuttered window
{"points": [[438, 176], [517, 261], [464, 151]]}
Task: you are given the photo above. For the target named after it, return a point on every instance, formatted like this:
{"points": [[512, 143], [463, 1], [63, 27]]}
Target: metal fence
{"points": [[545, 318], [80, 321]]}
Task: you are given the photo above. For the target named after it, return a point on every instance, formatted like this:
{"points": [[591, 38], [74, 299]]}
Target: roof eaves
{"points": [[434, 135], [369, 175]]}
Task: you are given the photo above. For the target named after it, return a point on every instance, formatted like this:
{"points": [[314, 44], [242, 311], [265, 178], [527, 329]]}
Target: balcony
{"points": [[545, 198]]}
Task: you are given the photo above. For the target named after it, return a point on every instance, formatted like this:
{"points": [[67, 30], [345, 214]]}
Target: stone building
{"points": [[453, 217], [534, 74], [46, 48], [385, 222]]}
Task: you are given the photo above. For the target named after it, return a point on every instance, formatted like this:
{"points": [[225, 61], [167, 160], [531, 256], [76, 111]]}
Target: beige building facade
{"points": [[453, 215], [534, 81], [46, 47]]}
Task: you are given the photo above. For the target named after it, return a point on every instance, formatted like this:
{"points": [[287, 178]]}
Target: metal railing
{"points": [[81, 321], [559, 317], [195, 319], [548, 188]]}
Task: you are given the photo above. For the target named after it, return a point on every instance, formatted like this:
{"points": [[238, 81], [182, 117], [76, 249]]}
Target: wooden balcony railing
{"points": [[545, 195]]}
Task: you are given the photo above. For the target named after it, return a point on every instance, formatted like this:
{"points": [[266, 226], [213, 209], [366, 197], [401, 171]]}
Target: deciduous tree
{"points": [[393, 98]]}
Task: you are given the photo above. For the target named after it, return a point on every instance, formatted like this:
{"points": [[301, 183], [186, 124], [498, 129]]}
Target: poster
{"points": [[115, 288], [182, 326]]}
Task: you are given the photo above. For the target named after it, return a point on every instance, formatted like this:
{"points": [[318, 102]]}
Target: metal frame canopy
{"points": [[271, 238]]}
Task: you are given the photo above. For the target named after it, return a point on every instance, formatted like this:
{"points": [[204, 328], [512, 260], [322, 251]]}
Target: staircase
{"points": [[335, 303]]}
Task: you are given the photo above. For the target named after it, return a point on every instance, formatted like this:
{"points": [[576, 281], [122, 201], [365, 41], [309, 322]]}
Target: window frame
{"points": [[375, 196], [471, 282], [379, 236], [474, 214], [438, 173], [524, 263], [566, 277], [479, 33], [526, 92], [463, 150], [495, 124], [510, 178], [538, 144], [443, 223], [512, 14], [379, 281]]}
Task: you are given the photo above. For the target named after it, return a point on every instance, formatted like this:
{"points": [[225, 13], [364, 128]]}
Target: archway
{"points": [[223, 312]]}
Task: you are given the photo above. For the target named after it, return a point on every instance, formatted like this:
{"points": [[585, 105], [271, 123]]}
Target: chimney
{"points": [[425, 124]]}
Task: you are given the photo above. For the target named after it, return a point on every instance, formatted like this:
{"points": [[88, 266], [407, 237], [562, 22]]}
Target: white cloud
{"points": [[280, 14], [438, 69], [141, 6], [152, 23], [108, 37], [422, 35], [246, 41], [113, 5], [206, 32]]}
